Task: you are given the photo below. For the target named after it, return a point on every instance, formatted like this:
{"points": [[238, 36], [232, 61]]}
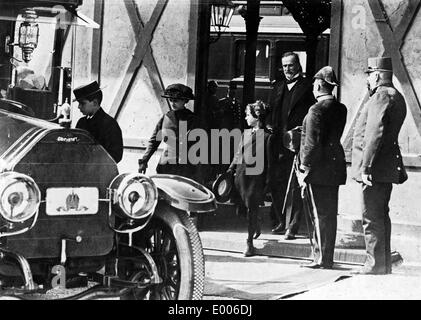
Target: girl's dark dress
{"points": [[251, 186]]}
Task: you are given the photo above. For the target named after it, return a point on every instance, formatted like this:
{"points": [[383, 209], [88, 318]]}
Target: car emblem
{"points": [[72, 203], [67, 139]]}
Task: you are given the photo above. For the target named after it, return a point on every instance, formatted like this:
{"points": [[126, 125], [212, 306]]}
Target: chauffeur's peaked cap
{"points": [[86, 90], [379, 64]]}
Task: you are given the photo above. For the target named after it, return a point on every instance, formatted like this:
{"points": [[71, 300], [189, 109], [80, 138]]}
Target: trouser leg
{"points": [[326, 201], [388, 232], [251, 222], [377, 225], [277, 195], [294, 207]]}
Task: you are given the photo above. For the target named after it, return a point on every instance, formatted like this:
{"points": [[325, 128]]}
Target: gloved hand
{"points": [[142, 166]]}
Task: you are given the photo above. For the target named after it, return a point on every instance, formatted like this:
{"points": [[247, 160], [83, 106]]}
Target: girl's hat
{"points": [[178, 91]]}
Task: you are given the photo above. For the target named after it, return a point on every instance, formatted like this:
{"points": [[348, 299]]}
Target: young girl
{"points": [[252, 167]]}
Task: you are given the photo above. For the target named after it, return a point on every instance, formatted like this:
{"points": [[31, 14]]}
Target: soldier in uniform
{"points": [[97, 122], [323, 162], [377, 161]]}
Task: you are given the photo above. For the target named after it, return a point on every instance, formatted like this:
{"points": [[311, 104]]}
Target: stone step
{"points": [[224, 230], [275, 246]]}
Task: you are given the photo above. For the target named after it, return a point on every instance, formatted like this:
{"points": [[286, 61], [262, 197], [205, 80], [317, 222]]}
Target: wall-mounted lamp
{"points": [[28, 35], [221, 14]]}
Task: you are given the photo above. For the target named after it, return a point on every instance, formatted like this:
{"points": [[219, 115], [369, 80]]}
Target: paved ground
{"points": [[230, 276], [403, 284]]}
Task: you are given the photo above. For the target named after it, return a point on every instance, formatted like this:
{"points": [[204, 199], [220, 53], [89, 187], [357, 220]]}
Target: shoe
{"points": [[250, 250], [315, 265], [258, 231], [289, 235], [278, 229]]}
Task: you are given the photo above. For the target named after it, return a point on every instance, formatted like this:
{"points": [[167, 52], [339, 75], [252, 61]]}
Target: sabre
{"points": [[316, 220], [306, 207], [289, 185]]}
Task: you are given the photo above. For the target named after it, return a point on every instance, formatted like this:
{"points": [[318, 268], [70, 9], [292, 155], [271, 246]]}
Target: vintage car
{"points": [[64, 206], [68, 218]]}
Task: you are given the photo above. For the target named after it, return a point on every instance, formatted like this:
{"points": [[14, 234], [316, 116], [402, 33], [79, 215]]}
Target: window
{"points": [[262, 58]]}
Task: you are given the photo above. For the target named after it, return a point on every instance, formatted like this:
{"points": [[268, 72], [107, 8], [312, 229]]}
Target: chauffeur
{"points": [[323, 161], [102, 126], [377, 161]]}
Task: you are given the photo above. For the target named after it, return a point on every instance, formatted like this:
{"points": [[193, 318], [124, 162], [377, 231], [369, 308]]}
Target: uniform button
{"points": [[399, 169], [397, 156], [334, 158]]}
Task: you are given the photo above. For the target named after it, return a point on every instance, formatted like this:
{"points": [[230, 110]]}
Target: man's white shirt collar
{"points": [[290, 85], [325, 97]]}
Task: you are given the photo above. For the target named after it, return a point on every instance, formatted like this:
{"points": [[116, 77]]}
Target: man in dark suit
{"points": [[377, 161], [289, 102], [99, 124], [323, 162]]}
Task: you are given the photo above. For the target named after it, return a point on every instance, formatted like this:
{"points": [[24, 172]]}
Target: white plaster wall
{"points": [[360, 40], [174, 49]]}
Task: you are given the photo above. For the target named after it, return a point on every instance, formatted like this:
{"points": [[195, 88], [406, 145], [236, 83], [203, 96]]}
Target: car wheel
{"points": [[171, 238]]}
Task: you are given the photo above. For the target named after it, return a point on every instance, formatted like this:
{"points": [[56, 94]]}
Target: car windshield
{"points": [[13, 127], [38, 58]]}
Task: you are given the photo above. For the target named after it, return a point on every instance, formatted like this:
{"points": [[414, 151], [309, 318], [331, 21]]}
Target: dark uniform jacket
{"points": [[251, 187], [321, 149], [375, 147], [168, 126], [106, 131]]}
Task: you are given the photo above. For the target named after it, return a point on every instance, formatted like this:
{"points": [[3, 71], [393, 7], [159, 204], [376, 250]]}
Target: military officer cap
{"points": [[327, 74], [379, 64], [178, 91]]}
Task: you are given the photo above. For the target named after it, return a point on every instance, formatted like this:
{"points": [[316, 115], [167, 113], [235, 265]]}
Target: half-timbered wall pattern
{"points": [[145, 45], [371, 28], [382, 28]]}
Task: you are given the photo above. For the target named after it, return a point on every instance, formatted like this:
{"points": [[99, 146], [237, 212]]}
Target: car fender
{"points": [[184, 194]]}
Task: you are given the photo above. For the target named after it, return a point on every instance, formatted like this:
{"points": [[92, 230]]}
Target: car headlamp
{"points": [[20, 197], [134, 195]]}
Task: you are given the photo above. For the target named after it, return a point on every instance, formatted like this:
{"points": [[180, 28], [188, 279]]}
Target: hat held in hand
{"points": [[222, 186]]}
